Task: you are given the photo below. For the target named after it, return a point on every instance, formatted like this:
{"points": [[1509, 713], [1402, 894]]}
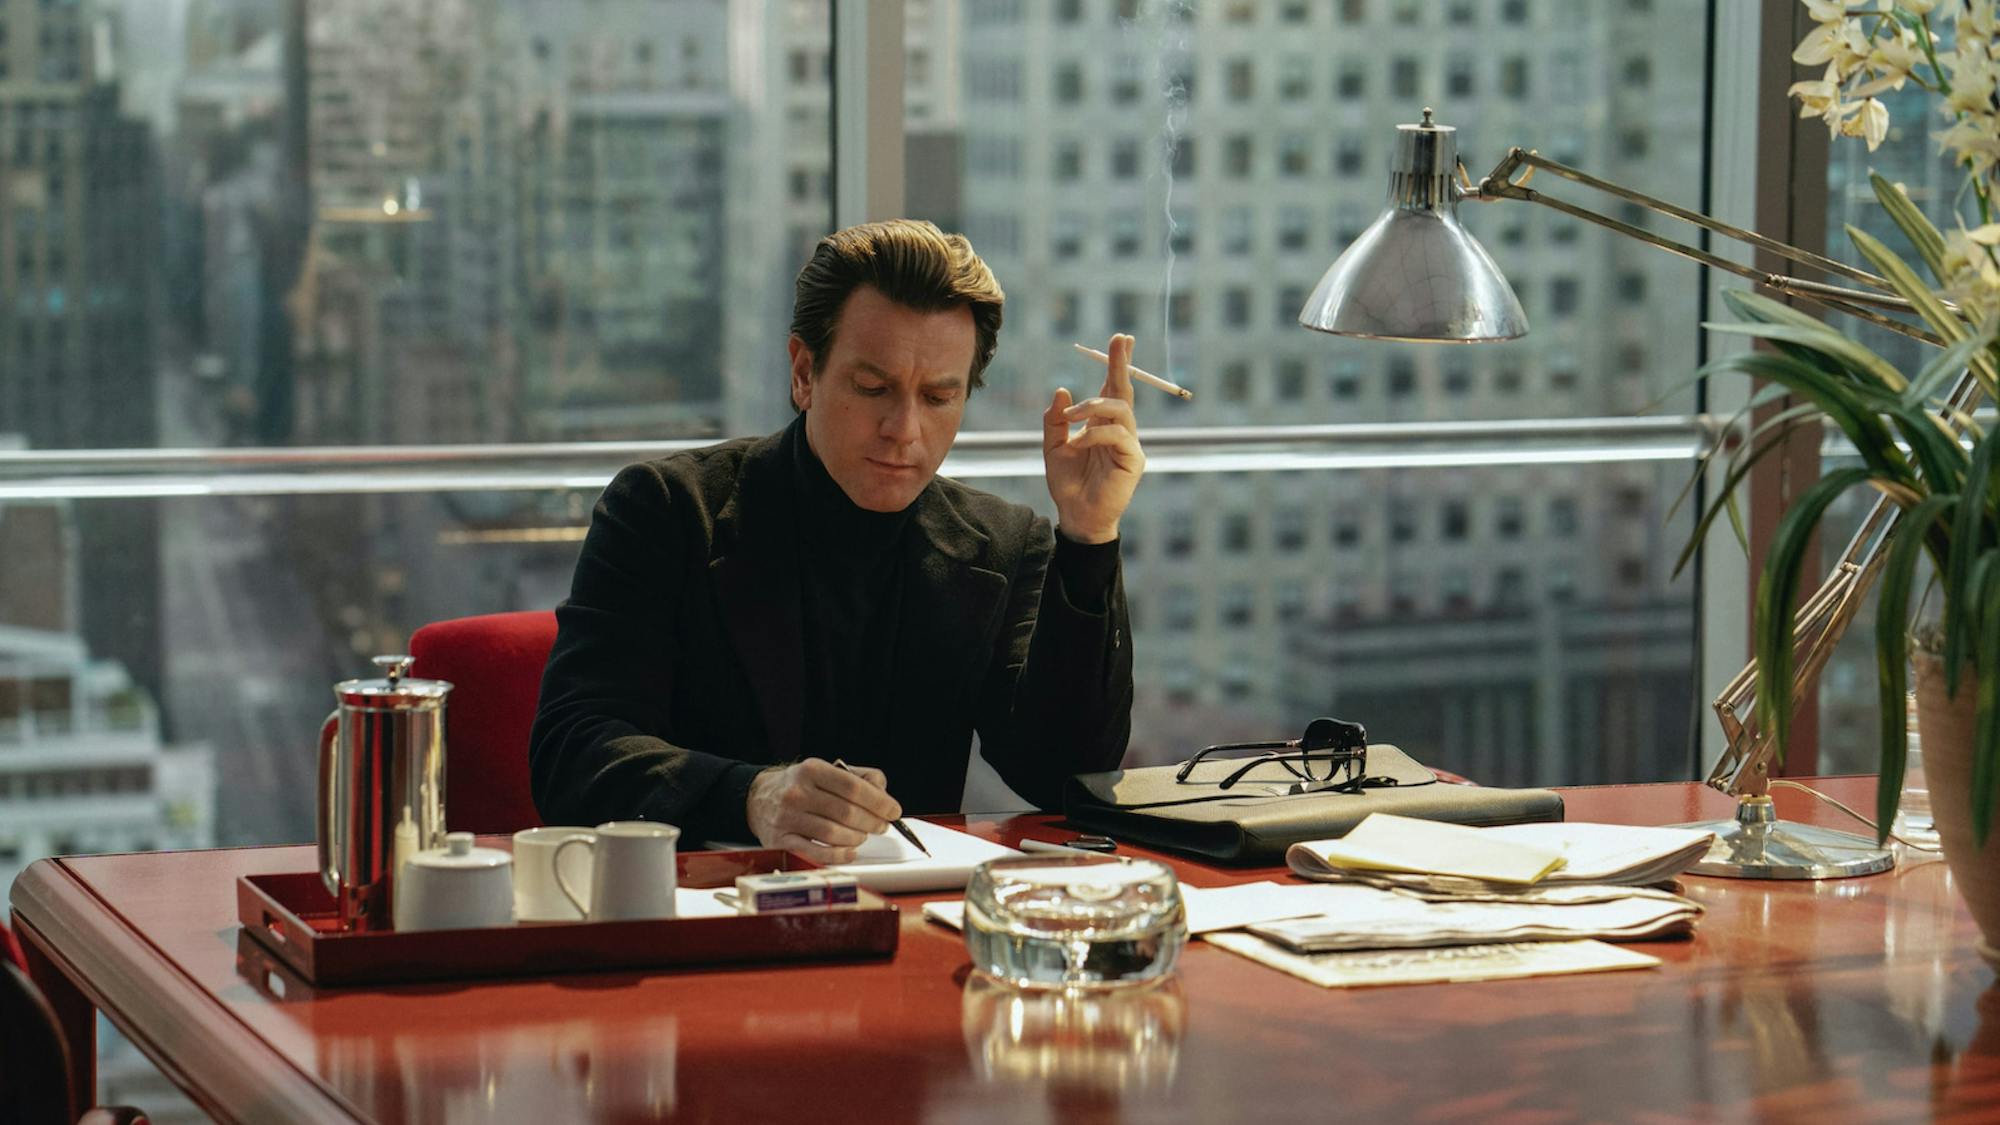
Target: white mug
{"points": [[457, 887], [632, 874], [537, 898]]}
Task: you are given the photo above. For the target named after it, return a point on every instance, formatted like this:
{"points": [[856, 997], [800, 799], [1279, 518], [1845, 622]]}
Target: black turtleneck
{"points": [[851, 587], [851, 566]]}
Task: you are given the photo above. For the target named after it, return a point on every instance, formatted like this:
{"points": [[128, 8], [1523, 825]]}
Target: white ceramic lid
{"points": [[458, 854]]}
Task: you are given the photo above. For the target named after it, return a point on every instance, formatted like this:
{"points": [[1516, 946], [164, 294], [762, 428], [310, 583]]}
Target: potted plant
{"points": [[1933, 461]]}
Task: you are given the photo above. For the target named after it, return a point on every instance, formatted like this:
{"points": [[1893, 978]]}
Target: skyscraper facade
{"points": [[1185, 172]]}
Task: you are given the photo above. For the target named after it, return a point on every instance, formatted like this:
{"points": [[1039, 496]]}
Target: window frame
{"points": [[1765, 171]]}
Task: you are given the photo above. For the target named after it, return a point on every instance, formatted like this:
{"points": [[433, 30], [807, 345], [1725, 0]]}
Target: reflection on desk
{"points": [[1111, 1039]]}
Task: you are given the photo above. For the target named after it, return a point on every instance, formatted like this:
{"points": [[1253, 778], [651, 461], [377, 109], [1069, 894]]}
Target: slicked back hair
{"points": [[911, 262]]}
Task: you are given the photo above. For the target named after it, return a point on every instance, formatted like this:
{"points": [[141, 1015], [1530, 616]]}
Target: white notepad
{"points": [[887, 864]]}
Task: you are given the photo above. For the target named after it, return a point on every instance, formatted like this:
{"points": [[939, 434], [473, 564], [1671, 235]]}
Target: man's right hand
{"points": [[819, 810]]}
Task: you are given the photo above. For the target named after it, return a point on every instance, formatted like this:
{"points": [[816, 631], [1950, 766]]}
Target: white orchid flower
{"points": [[1972, 278], [1914, 7], [1817, 97], [1870, 122], [1977, 18], [1976, 140], [1894, 57], [1972, 80], [1841, 44]]}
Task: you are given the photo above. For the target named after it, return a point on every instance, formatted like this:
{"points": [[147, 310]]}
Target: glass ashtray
{"points": [[1074, 921]]}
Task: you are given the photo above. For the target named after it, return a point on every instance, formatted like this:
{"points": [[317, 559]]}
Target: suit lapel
{"points": [[948, 603], [756, 580]]}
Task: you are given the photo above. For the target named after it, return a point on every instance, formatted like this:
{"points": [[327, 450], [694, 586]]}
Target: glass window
{"points": [[1352, 80], [544, 223], [1295, 79]]}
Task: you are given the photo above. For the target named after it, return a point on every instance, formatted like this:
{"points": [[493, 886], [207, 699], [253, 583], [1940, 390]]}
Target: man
{"points": [[745, 616]]}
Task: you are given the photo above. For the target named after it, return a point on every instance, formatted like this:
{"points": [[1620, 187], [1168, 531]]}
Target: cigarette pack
{"points": [[794, 890]]}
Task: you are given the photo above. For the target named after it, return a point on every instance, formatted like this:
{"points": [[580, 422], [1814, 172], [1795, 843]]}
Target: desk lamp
{"points": [[1417, 276]]}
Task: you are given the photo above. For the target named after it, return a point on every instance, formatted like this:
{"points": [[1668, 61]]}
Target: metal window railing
{"points": [[324, 470]]}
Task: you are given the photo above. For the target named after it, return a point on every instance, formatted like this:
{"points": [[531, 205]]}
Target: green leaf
{"points": [[1778, 322], [1909, 286], [1961, 618], [1936, 448], [1753, 306], [1918, 228], [1986, 727], [1850, 355], [1968, 535], [1764, 395], [1777, 589], [1849, 406], [1739, 467], [1892, 633], [1946, 365]]}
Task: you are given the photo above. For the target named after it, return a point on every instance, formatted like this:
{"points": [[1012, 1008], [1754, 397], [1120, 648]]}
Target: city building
{"points": [[79, 292], [1185, 173]]}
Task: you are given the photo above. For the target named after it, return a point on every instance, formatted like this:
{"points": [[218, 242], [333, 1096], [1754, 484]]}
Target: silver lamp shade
{"points": [[1415, 274]]}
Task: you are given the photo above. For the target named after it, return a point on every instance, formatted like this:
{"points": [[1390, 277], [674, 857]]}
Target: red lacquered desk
{"points": [[1850, 1000]]}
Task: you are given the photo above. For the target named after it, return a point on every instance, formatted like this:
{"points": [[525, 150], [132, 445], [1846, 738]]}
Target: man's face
{"points": [[885, 408]]}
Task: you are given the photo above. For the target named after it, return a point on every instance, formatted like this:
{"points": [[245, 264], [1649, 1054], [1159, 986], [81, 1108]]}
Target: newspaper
{"points": [[1372, 918], [1433, 966]]}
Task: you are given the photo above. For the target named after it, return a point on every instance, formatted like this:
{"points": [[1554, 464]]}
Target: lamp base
{"points": [[1757, 845]]}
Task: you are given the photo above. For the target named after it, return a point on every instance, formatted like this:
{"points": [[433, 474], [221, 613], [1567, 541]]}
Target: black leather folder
{"points": [[1255, 820]]}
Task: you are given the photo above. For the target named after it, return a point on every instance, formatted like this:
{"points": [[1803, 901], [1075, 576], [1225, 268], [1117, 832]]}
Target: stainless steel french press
{"points": [[381, 787]]}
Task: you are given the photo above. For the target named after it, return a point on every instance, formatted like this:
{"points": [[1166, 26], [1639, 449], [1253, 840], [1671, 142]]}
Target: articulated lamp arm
{"points": [[1502, 184], [1416, 275], [1743, 770]]}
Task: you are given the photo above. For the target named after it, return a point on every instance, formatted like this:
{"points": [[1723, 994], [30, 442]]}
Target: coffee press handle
{"points": [[331, 836]]}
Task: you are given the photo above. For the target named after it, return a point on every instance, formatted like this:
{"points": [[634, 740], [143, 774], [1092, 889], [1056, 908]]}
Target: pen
{"points": [[896, 824], [1142, 375], [1048, 846]]}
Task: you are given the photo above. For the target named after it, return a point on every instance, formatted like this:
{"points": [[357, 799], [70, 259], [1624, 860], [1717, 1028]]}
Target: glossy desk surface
{"points": [[1849, 1000]]}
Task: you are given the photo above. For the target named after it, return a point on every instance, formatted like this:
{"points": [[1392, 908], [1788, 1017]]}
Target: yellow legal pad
{"points": [[1383, 842]]}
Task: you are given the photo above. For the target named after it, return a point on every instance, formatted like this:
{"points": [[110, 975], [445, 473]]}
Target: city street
{"points": [[247, 669]]}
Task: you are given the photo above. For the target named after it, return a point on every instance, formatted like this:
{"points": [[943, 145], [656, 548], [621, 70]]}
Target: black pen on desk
{"points": [[1030, 845], [896, 824]]}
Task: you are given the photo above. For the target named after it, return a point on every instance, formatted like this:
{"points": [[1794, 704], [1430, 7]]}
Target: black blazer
{"points": [[678, 668]]}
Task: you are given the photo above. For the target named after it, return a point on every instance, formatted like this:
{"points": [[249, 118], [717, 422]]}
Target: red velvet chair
{"points": [[494, 663], [34, 1058]]}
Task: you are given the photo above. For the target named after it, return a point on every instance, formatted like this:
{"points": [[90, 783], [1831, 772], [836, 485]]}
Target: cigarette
{"points": [[1141, 375]]}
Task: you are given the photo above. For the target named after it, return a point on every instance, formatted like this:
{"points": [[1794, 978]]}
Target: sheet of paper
{"points": [[690, 902], [888, 846], [1369, 918], [1433, 966], [1594, 853], [1383, 842], [949, 866], [1209, 909]]}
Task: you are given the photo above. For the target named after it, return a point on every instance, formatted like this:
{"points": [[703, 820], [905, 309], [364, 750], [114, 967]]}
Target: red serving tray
{"points": [[294, 917]]}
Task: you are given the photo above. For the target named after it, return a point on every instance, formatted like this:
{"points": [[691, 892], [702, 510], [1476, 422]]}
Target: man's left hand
{"points": [[1093, 472]]}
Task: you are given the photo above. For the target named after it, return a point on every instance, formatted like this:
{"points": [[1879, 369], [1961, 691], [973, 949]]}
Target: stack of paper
{"points": [[1369, 918], [1454, 860], [1431, 966], [1209, 909]]}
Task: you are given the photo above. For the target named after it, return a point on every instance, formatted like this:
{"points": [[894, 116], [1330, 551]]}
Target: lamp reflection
{"points": [[1120, 1039]]}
